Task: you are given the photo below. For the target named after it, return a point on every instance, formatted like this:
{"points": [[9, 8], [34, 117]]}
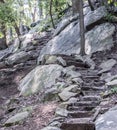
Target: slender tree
{"points": [[75, 6], [3, 28], [82, 30], [91, 5], [51, 3]]}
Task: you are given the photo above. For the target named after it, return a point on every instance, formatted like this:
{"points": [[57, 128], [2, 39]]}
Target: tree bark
{"points": [[3, 28], [75, 6], [51, 3], [82, 32], [40, 8], [91, 5]]}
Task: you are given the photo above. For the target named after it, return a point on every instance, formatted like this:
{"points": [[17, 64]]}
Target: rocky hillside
{"points": [[46, 85]]}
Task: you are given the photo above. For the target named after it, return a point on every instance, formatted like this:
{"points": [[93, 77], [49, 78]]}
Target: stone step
{"points": [[80, 108], [80, 114], [77, 64], [91, 77], [91, 92], [92, 88], [85, 103], [90, 98], [89, 73], [78, 124], [99, 83]]}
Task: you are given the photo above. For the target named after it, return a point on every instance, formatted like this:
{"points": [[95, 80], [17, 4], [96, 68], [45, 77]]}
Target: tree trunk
{"points": [[51, 2], [82, 32], [3, 29], [91, 5], [75, 6], [40, 8], [17, 29]]}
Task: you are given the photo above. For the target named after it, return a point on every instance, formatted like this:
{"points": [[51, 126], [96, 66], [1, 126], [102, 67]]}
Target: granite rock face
{"points": [[107, 121], [98, 35], [40, 78]]}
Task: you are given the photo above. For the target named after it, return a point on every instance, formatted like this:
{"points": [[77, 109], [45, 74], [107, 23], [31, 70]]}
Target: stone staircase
{"points": [[82, 113]]}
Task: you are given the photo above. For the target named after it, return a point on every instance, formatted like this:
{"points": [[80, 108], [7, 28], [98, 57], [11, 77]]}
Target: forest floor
{"points": [[43, 112]]}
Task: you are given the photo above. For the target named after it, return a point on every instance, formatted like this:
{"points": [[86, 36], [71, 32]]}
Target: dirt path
{"points": [[11, 76]]}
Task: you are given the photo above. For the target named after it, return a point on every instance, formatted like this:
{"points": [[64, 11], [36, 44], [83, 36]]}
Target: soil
{"points": [[41, 116]]}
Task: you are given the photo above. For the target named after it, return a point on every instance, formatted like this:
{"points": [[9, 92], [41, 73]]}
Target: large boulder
{"points": [[5, 53], [107, 121], [19, 57], [39, 79], [17, 118], [98, 37], [107, 65]]}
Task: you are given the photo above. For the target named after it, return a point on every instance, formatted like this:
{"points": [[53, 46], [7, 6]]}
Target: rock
{"points": [[62, 110], [16, 58], [107, 121], [94, 16], [102, 42], [73, 100], [86, 60], [16, 45], [29, 108], [107, 65], [55, 124], [61, 61], [77, 80], [90, 62], [60, 85], [5, 53], [43, 26], [73, 88], [40, 78], [68, 92], [90, 18], [51, 128], [27, 42], [55, 60], [61, 44], [72, 67], [71, 73], [112, 83], [24, 41], [17, 118], [66, 95], [106, 76], [51, 94], [64, 23], [2, 65], [51, 59], [68, 41], [110, 78]]}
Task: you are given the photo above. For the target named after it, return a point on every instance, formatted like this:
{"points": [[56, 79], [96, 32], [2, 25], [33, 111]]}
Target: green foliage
{"points": [[6, 14], [113, 90], [109, 17], [111, 1], [1, 35]]}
